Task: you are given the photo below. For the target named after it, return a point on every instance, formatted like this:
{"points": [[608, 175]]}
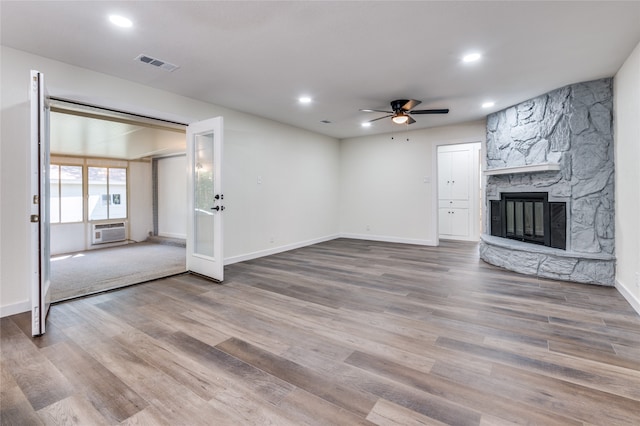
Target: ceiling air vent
{"points": [[156, 62]]}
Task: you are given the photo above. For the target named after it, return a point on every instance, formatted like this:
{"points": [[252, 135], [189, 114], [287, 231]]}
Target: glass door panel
{"points": [[203, 193]]}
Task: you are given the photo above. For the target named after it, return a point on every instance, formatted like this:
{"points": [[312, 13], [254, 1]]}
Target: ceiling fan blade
{"points": [[410, 120], [380, 118], [430, 111], [411, 104], [376, 110]]}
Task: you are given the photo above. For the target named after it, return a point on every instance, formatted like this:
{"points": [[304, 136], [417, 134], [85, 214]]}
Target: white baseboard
{"points": [[631, 298], [388, 239], [454, 238], [172, 235], [276, 250], [16, 308]]}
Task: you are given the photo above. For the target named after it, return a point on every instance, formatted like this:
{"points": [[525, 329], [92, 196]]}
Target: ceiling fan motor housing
{"points": [[397, 105]]}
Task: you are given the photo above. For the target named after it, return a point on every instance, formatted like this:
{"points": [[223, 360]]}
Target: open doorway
{"points": [[106, 184]]}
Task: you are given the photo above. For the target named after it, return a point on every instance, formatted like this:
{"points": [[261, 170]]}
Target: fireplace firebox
{"points": [[530, 217]]}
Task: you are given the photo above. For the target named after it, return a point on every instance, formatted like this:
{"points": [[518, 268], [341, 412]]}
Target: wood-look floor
{"points": [[344, 332]]}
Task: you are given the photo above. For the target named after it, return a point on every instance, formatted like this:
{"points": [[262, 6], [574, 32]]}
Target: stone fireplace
{"points": [[553, 155]]}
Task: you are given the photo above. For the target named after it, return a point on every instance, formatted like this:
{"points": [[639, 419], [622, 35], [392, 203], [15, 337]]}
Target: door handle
{"points": [[217, 208]]}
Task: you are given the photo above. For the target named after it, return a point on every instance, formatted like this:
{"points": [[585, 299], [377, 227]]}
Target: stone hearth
{"points": [[560, 143]]}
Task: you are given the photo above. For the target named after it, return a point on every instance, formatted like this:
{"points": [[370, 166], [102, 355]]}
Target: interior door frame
{"points": [[99, 110], [435, 196]]}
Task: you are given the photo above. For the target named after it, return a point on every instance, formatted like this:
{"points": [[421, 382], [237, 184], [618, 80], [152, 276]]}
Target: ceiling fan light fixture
{"points": [[400, 118]]}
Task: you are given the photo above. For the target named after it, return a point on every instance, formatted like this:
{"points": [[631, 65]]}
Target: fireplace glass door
{"points": [[525, 219], [529, 217]]}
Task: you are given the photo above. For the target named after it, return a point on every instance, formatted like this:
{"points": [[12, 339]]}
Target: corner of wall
{"points": [[630, 297]]}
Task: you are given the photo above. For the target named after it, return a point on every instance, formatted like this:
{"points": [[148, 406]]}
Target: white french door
{"points": [[205, 200], [39, 214]]}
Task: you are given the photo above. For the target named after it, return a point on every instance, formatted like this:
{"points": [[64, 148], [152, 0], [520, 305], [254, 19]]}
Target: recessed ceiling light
{"points": [[366, 124], [304, 99], [120, 21], [471, 57], [488, 104]]}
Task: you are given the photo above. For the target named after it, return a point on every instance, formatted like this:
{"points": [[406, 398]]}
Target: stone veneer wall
{"points": [[571, 126]]}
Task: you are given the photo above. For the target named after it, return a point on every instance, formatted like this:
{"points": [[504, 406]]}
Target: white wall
{"points": [[384, 195], [14, 204], [172, 196], [140, 200], [68, 237], [297, 199], [296, 204], [627, 160]]}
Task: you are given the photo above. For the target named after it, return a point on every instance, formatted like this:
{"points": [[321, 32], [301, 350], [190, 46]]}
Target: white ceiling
{"points": [[82, 136], [258, 57]]}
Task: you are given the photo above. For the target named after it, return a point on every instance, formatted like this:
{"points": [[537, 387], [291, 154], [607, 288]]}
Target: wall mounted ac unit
{"points": [[108, 233]]}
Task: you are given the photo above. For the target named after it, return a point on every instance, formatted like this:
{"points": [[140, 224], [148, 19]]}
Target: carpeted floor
{"points": [[92, 271]]}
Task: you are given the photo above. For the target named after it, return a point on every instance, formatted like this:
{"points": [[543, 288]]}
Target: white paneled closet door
{"points": [[458, 191]]}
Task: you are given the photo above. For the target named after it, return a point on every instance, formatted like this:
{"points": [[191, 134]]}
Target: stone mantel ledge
{"points": [[530, 168], [547, 262], [510, 244]]}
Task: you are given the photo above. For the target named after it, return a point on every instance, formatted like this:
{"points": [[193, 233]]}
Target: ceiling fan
{"points": [[401, 108]]}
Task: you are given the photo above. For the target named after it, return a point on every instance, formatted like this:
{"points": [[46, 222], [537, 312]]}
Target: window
{"points": [[107, 193], [65, 186]]}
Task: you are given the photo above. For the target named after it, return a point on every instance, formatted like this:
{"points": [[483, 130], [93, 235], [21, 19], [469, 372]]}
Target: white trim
{"points": [[16, 308], [435, 196], [631, 298], [388, 239], [455, 238], [276, 250], [531, 168], [172, 235]]}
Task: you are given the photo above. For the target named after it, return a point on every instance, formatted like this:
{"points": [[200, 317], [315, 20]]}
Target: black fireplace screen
{"points": [[529, 217]]}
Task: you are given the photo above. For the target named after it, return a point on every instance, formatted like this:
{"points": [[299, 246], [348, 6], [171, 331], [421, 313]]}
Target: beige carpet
{"points": [[92, 271]]}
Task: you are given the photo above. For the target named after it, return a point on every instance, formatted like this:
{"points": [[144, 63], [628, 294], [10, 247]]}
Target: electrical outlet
{"points": [[368, 228], [259, 180], [272, 239]]}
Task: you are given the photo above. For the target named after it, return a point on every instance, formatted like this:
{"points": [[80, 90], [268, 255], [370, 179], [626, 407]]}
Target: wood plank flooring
{"points": [[345, 332]]}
